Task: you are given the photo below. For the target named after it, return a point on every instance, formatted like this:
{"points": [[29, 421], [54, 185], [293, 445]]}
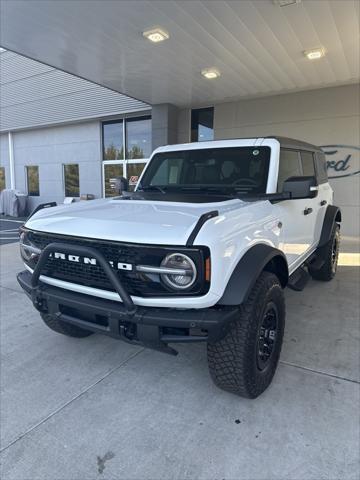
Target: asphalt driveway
{"points": [[9, 229], [97, 408]]}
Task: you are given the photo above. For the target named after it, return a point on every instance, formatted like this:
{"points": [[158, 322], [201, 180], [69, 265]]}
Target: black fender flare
{"points": [[258, 258], [332, 216]]}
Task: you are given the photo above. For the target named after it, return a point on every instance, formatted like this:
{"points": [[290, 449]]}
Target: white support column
{"points": [[11, 161]]}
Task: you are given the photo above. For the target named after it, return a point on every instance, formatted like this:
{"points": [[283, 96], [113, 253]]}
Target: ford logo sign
{"points": [[342, 160]]}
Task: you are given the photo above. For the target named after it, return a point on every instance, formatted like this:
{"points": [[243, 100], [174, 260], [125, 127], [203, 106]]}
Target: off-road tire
{"points": [[64, 328], [330, 254], [233, 360]]}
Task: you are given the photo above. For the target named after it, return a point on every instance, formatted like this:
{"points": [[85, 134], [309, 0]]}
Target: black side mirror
{"points": [[301, 187], [119, 185]]}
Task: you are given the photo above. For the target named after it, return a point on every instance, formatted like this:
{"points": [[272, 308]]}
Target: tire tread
{"points": [[230, 365]]}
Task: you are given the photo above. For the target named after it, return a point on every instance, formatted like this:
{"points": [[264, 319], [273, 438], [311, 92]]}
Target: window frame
{"points": [[124, 121], [27, 180], [64, 179], [299, 151], [184, 156], [130, 120], [110, 122], [110, 162], [124, 161]]}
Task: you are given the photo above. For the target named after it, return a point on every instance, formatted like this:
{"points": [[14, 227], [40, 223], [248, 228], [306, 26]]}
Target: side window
{"points": [[321, 168], [2, 179], [71, 180], [307, 161], [32, 180], [289, 166]]}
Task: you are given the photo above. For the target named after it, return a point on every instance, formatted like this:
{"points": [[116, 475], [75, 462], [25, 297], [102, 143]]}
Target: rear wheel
{"points": [[53, 322], [245, 360], [330, 254]]}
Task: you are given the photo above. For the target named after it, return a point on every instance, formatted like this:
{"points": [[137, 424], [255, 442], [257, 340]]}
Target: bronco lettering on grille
{"points": [[90, 261]]}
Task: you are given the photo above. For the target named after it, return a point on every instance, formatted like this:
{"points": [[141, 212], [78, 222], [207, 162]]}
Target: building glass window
{"points": [[71, 180], [32, 180], [2, 179], [202, 124], [138, 138], [134, 171], [125, 143], [113, 140], [111, 171]]}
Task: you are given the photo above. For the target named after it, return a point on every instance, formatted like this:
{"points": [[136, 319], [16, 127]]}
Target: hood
{"points": [[133, 221]]}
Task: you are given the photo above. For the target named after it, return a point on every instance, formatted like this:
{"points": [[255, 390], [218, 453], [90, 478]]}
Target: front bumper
{"points": [[151, 327]]}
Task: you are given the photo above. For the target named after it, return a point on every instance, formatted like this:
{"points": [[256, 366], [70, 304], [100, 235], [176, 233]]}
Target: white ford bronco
{"points": [[201, 251]]}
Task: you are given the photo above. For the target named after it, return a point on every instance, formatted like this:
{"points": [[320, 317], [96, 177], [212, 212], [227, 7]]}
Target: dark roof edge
{"points": [[292, 143]]}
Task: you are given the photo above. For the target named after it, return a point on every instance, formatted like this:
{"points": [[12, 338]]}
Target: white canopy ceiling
{"points": [[257, 45]]}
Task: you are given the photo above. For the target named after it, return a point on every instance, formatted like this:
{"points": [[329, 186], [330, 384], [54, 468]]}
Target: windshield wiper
{"points": [[206, 189], [148, 188]]}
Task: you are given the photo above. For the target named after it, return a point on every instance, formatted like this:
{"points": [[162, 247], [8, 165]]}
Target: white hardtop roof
{"points": [[240, 142]]}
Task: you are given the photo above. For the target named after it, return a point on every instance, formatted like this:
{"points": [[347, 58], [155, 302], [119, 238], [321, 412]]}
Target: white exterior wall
{"points": [[49, 149], [328, 116], [4, 157]]}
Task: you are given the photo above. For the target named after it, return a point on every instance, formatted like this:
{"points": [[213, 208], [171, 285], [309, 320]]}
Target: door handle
{"points": [[323, 202], [307, 211]]}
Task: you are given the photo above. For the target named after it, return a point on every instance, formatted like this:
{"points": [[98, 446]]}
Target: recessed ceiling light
{"points": [[286, 3], [210, 73], [156, 35], [2, 49], [314, 53]]}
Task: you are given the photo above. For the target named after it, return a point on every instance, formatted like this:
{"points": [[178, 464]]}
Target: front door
{"points": [[298, 216]]}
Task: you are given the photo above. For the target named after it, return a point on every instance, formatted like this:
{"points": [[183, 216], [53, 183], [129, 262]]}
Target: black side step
{"points": [[298, 279], [315, 262]]}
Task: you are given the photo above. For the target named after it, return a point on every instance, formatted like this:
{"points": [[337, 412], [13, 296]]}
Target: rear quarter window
{"points": [[321, 167], [307, 162]]}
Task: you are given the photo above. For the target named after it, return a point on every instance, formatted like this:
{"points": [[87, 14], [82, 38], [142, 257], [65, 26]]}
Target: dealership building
{"points": [[65, 136]]}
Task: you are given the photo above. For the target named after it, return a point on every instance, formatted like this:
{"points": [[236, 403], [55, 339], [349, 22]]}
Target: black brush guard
{"points": [[151, 327]]}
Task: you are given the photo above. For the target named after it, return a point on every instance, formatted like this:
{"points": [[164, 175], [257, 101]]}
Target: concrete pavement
{"points": [[97, 408]]}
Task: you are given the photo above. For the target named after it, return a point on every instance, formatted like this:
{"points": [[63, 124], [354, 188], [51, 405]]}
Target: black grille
{"points": [[136, 283]]}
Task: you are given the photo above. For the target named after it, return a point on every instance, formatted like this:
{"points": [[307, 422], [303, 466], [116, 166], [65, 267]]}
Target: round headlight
{"points": [[28, 251], [184, 271]]}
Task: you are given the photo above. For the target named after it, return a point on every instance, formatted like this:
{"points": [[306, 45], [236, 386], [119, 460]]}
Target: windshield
{"points": [[233, 171]]}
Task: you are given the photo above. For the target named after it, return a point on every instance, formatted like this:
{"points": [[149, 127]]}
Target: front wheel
{"points": [[245, 360]]}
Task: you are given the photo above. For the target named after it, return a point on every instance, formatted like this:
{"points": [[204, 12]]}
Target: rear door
{"points": [[308, 170], [325, 192]]}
